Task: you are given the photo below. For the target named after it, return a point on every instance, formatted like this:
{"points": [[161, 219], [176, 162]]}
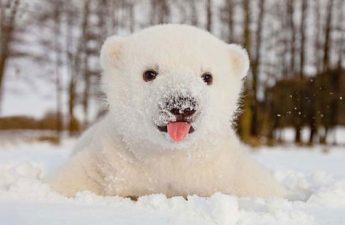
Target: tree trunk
{"points": [[245, 119], [303, 36], [209, 15], [313, 132], [290, 13], [230, 9], [7, 27], [298, 139], [159, 12], [327, 40], [256, 70], [58, 64], [194, 13], [298, 119], [341, 25], [71, 59], [131, 16], [83, 53]]}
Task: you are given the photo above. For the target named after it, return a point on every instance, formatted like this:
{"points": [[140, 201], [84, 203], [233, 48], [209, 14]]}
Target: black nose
{"points": [[181, 107], [182, 112]]}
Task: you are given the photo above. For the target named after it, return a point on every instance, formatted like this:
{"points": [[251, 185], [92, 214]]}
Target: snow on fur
{"points": [[137, 148], [180, 54]]}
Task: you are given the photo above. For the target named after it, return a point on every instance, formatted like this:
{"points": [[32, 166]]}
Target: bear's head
{"points": [[172, 85]]}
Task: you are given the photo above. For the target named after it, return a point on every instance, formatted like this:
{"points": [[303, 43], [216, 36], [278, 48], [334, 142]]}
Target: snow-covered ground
{"points": [[316, 177]]}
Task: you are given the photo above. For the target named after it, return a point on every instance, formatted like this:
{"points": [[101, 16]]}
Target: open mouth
{"points": [[178, 130]]}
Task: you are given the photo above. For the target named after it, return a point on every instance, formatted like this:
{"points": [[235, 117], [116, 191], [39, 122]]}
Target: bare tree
{"points": [[323, 96], [302, 32], [160, 11], [341, 30], [131, 15], [229, 17], [93, 35], [245, 119], [72, 69], [58, 64], [84, 54], [299, 101], [209, 15], [317, 36], [256, 69], [327, 37], [292, 31], [8, 12], [194, 12]]}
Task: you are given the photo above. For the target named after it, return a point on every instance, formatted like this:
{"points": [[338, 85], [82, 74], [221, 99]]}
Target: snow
{"points": [[336, 135], [316, 177], [87, 208]]}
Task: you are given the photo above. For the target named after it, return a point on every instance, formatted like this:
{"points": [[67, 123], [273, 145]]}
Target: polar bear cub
{"points": [[172, 91]]}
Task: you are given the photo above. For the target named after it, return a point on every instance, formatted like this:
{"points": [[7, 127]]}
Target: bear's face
{"points": [[172, 85]]}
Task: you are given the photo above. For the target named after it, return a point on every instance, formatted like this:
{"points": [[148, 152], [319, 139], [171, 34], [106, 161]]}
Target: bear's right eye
{"points": [[149, 75]]}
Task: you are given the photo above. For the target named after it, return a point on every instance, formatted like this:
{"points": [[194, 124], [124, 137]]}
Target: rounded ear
{"points": [[239, 60], [110, 51]]}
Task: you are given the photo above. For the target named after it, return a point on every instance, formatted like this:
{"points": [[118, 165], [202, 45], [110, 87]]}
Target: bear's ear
{"points": [[110, 51], [239, 60]]}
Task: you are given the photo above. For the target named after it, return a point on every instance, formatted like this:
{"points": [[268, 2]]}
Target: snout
{"points": [[182, 110]]}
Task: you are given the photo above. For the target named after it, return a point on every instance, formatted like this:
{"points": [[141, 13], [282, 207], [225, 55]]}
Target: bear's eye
{"points": [[149, 75], [207, 77]]}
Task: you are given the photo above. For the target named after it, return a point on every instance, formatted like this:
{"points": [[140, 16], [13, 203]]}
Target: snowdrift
{"points": [[316, 179]]}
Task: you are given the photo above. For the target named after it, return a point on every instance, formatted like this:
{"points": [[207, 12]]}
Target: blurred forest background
{"points": [[49, 67]]}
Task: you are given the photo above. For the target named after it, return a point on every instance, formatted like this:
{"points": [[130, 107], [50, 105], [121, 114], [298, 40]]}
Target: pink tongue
{"points": [[178, 130]]}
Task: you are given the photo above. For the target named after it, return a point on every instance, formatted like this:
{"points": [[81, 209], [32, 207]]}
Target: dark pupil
{"points": [[207, 78], [149, 75]]}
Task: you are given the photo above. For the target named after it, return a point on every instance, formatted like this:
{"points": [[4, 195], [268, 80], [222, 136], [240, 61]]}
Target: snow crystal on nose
{"points": [[178, 101]]}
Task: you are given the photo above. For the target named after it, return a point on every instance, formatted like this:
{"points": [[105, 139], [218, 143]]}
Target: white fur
{"points": [[126, 155]]}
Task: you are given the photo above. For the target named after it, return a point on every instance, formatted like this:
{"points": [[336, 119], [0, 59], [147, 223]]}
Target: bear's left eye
{"points": [[208, 78], [149, 75]]}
